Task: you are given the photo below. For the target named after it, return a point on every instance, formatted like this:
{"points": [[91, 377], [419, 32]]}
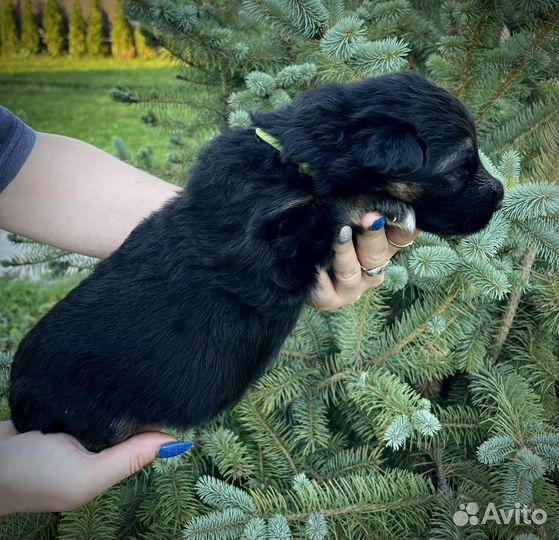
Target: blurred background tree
{"points": [[436, 390], [30, 39], [9, 41], [94, 39], [122, 38], [53, 25], [143, 50], [76, 35]]}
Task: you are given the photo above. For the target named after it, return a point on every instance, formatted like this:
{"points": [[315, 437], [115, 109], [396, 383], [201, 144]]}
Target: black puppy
{"points": [[179, 321]]}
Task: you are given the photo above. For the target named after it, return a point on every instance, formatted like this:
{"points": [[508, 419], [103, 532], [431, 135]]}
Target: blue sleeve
{"points": [[16, 141]]}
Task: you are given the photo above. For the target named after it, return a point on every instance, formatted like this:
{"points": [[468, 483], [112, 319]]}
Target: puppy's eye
{"points": [[456, 182], [465, 174]]}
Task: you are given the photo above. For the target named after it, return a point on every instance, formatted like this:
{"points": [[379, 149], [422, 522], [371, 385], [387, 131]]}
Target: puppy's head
{"points": [[396, 135], [422, 149]]}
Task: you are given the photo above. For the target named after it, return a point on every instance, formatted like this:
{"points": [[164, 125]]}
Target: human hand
{"points": [[54, 472], [371, 251]]}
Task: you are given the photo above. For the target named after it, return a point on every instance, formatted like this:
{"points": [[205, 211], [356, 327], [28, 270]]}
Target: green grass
{"points": [[24, 302], [69, 97]]}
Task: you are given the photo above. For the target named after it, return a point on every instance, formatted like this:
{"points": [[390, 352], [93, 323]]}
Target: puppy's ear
{"points": [[393, 149]]}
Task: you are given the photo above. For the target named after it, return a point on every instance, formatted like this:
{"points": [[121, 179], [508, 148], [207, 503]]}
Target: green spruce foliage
{"points": [[9, 40], [122, 38], [438, 390], [30, 39], [53, 25], [76, 36], [94, 38]]}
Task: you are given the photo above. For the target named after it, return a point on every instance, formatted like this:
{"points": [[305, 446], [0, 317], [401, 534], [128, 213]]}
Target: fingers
{"points": [[345, 263], [400, 237], [350, 282], [373, 248], [325, 296], [370, 250], [116, 463]]}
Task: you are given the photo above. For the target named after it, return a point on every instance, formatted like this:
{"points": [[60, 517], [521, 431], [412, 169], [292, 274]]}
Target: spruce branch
{"points": [[517, 489], [224, 82], [545, 112], [336, 10], [421, 329], [547, 165], [532, 202], [473, 45], [544, 32], [437, 455], [341, 40], [264, 423], [508, 402], [309, 319], [495, 450], [378, 57], [512, 305], [364, 508], [543, 237], [29, 526]]}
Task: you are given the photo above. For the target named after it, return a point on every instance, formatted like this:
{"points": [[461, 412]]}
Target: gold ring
{"points": [[373, 272], [402, 246]]}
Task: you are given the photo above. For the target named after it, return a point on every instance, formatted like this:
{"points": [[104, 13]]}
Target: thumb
{"points": [[117, 462]]}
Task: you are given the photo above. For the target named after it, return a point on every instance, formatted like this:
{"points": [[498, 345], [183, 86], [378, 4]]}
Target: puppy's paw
{"points": [[405, 223], [397, 214]]}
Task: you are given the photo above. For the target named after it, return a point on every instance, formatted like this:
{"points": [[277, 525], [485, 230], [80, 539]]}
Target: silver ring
{"points": [[374, 272], [402, 246]]}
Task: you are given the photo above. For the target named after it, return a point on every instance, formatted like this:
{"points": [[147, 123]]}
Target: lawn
{"points": [[24, 302], [69, 97]]}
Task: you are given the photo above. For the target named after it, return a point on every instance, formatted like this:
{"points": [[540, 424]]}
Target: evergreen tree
{"points": [[122, 39], [9, 41], [94, 39], [143, 50], [76, 36], [30, 39], [53, 25], [436, 390]]}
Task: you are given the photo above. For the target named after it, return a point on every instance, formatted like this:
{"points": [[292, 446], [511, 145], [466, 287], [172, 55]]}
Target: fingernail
{"points": [[378, 224], [174, 448], [345, 234]]}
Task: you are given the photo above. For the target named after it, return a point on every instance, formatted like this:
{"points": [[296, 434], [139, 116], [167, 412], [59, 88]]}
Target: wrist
{"points": [[8, 492], [7, 505]]}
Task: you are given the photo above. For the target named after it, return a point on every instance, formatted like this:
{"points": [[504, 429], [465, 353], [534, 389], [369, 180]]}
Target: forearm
{"points": [[71, 195]]}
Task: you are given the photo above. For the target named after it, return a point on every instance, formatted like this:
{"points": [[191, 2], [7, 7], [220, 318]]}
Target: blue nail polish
{"points": [[174, 448], [378, 224]]}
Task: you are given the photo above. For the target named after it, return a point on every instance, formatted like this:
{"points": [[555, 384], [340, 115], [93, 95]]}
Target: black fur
{"points": [[178, 322]]}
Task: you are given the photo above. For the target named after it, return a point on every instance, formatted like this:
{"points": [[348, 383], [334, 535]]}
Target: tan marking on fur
{"points": [[405, 191], [356, 208], [123, 428]]}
